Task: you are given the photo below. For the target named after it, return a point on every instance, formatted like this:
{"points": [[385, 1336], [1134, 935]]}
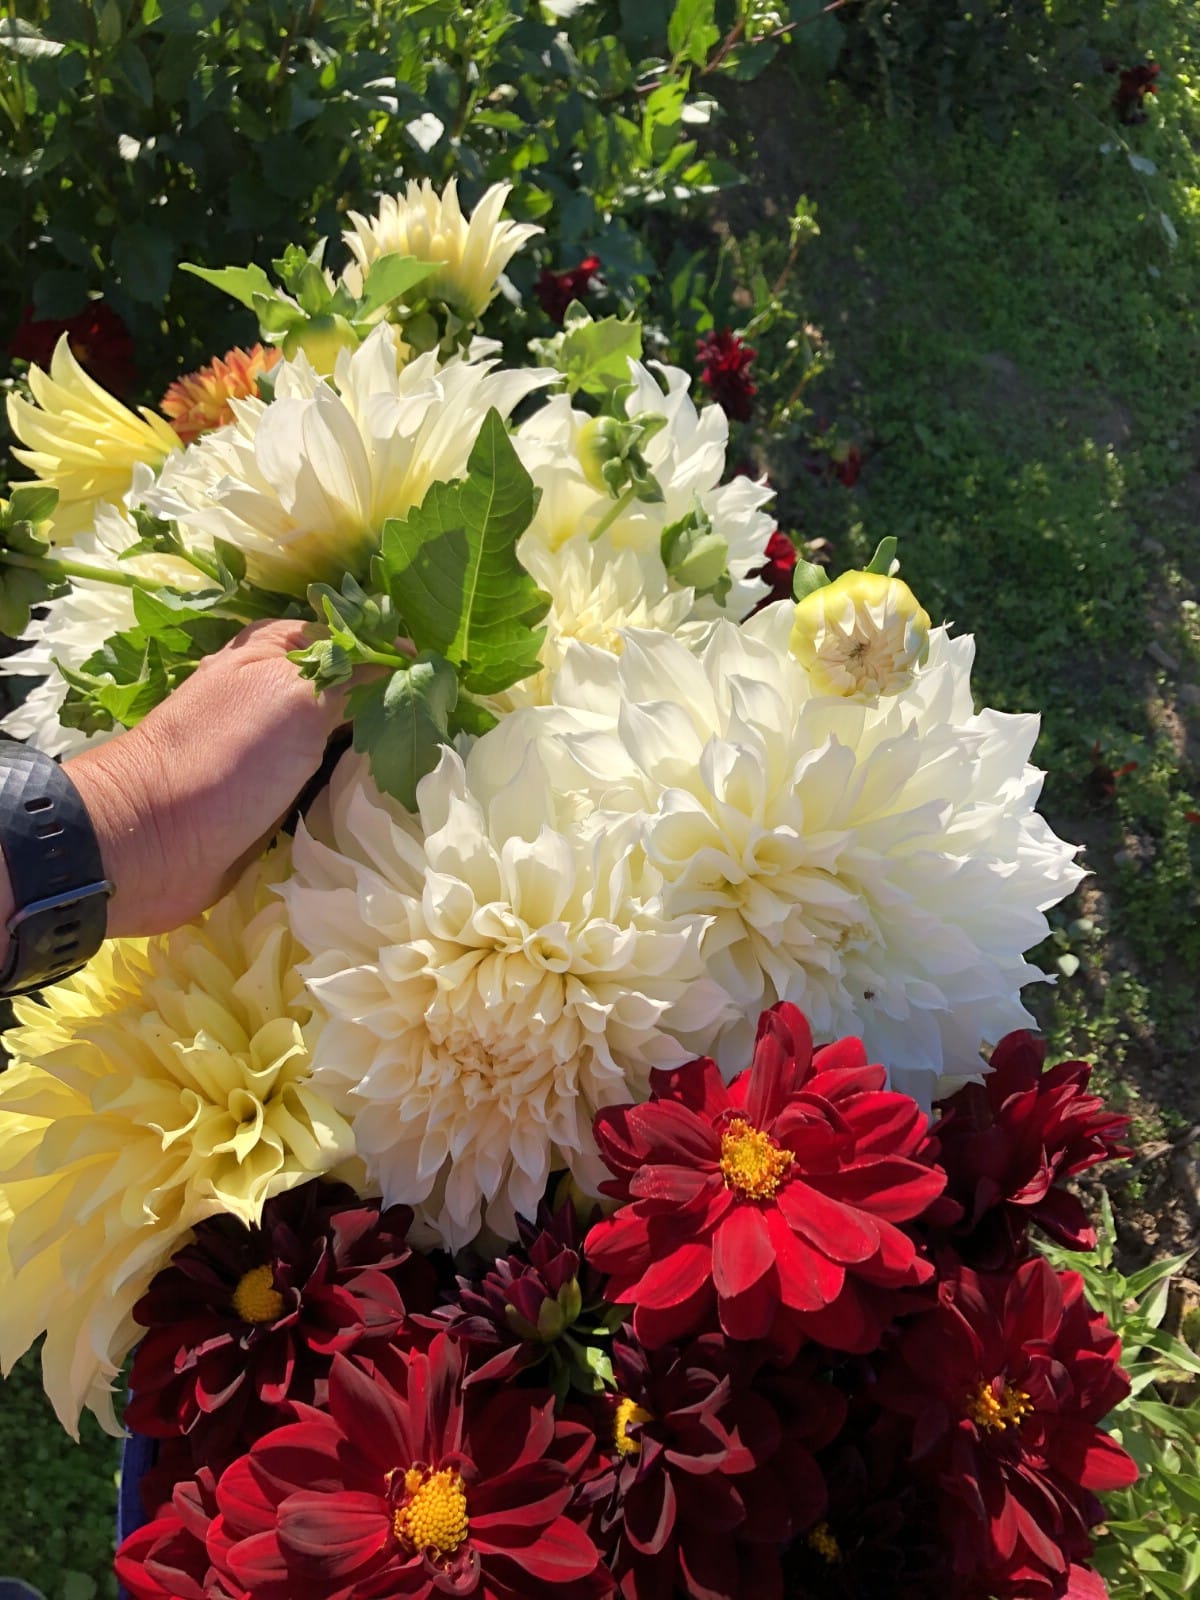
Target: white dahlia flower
{"points": [[687, 456], [420, 222], [596, 593], [303, 484], [491, 973], [877, 862], [77, 624]]}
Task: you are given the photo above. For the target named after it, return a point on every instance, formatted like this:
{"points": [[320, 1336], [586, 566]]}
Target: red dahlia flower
{"points": [[725, 361], [556, 290], [246, 1320], [779, 569], [1133, 85], [1010, 1142], [98, 338], [412, 1489], [712, 1470], [1007, 1380], [167, 1559], [773, 1201]]}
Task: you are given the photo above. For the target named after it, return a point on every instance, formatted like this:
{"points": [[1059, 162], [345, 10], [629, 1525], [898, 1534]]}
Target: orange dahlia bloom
{"points": [[199, 401]]}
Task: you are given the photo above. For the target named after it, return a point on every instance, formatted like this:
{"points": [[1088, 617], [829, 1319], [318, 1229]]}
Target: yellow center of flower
{"points": [[436, 1516], [752, 1164], [256, 1299], [628, 1413], [993, 1411], [821, 1540]]}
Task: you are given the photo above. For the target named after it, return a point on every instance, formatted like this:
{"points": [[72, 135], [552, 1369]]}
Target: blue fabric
{"points": [[14, 1589], [138, 1455]]}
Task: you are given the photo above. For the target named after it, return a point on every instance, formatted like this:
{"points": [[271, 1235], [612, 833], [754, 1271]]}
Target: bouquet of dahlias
{"points": [[465, 1185]]}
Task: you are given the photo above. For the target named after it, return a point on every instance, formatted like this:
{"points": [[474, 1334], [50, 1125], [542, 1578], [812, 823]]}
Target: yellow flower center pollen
{"points": [[821, 1540], [436, 1516], [752, 1163], [628, 1413], [256, 1299], [993, 1411]]}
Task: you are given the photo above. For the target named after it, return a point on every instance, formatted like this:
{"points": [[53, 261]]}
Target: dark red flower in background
{"points": [[773, 1201], [725, 361], [1133, 85], [99, 341], [1006, 1381], [1009, 1144], [779, 569], [710, 1473], [411, 1488], [556, 290], [244, 1322]]}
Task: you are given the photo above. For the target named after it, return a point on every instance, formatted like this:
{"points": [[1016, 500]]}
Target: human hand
{"points": [[183, 800]]}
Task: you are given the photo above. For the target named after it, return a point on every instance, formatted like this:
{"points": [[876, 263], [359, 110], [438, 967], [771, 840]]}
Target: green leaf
{"points": [[402, 722], [885, 554], [692, 31], [451, 567], [594, 356], [390, 278], [807, 577], [242, 283], [23, 39], [145, 258], [32, 503], [1139, 1282], [20, 590]]}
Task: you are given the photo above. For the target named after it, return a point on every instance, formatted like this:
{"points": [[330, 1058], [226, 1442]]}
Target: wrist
{"points": [[125, 835]]}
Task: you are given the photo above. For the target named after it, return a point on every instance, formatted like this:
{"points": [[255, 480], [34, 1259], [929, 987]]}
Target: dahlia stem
{"points": [[245, 607], [613, 512]]}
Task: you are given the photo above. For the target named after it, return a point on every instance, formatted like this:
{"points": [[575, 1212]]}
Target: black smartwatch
{"points": [[58, 885]]}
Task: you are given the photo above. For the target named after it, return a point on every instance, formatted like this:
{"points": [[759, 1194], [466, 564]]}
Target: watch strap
{"points": [[55, 870]]}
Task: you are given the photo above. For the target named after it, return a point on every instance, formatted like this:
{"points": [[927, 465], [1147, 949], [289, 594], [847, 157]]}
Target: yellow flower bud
{"points": [[322, 339], [863, 634]]}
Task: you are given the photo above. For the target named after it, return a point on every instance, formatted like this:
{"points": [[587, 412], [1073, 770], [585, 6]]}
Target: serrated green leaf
{"points": [[390, 278], [241, 283], [594, 357], [692, 31], [232, 558], [452, 570], [402, 722], [32, 503]]}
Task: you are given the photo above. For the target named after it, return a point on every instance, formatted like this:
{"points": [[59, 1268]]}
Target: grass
{"points": [[1013, 343]]}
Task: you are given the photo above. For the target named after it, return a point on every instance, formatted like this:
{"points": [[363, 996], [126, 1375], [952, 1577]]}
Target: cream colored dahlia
{"points": [[877, 862], [596, 593], [78, 623], [166, 1082], [489, 974], [200, 401], [303, 484], [420, 222], [687, 456], [82, 441]]}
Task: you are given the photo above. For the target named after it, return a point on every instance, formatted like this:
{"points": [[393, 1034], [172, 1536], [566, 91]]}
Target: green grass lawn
{"points": [[1014, 344]]}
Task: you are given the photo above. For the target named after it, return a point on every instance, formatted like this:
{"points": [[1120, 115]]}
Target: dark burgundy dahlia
{"points": [[167, 1559], [1007, 1381], [515, 1314], [1008, 1145], [98, 339], [555, 291], [771, 1205], [725, 362], [711, 1470], [408, 1490], [245, 1321]]}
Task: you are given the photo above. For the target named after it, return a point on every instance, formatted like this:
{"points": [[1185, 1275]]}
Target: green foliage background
{"points": [[950, 256]]}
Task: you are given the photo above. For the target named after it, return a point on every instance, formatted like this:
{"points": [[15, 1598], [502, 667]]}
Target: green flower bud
{"points": [[321, 339], [696, 556]]}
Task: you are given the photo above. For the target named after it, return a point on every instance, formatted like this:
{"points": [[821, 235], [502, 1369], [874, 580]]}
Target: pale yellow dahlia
{"points": [[862, 634], [165, 1083], [199, 401], [82, 441], [420, 222]]}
